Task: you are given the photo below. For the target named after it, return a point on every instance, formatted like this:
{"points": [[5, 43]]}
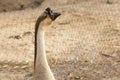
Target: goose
{"points": [[42, 69]]}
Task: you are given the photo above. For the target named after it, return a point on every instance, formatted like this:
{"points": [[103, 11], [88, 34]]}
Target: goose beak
{"points": [[52, 15], [55, 15]]}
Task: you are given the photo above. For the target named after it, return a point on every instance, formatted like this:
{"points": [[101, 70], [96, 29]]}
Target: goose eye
{"points": [[49, 11]]}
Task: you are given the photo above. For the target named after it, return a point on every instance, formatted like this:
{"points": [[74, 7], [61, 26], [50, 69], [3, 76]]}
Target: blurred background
{"points": [[82, 44]]}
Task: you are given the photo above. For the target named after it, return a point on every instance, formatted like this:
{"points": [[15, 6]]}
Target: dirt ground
{"points": [[12, 5], [82, 44]]}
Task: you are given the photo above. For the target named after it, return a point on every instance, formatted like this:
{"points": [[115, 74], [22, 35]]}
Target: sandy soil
{"points": [[12, 5], [82, 44]]}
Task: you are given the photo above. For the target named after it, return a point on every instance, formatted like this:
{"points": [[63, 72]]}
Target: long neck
{"points": [[41, 67]]}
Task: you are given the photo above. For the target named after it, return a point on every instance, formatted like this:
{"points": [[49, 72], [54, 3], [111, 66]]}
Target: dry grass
{"points": [[82, 44]]}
